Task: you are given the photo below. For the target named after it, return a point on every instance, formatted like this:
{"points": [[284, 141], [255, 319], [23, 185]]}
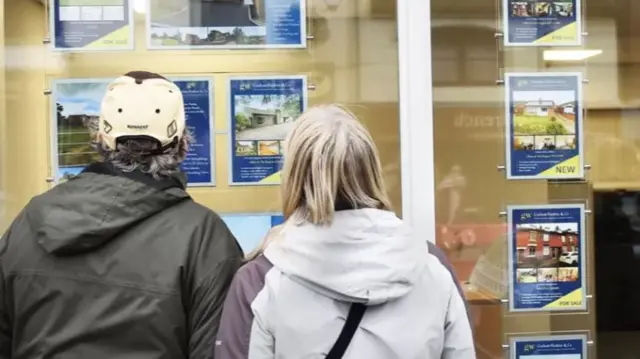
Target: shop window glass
{"points": [[468, 38], [348, 54]]}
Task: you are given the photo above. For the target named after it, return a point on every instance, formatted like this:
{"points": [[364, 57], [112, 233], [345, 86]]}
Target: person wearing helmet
{"points": [[119, 261]]}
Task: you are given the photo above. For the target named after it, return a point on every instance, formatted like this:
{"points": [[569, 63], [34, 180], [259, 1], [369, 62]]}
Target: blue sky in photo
{"points": [[559, 97], [79, 98]]}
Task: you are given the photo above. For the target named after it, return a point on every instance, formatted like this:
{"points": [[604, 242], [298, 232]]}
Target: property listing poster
{"points": [[549, 347], [543, 129], [198, 107], [91, 25], [546, 257], [231, 24], [251, 229], [542, 22], [76, 112], [262, 111]]}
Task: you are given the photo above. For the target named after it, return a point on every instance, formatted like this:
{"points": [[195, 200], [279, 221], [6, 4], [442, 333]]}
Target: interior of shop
{"points": [[468, 58]]}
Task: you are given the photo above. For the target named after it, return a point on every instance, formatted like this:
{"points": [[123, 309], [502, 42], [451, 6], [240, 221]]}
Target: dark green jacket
{"points": [[114, 265]]}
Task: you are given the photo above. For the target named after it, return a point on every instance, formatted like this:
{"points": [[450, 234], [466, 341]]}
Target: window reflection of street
{"points": [[452, 186]]}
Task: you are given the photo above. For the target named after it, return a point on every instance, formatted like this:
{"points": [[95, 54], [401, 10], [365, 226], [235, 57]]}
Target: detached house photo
{"points": [[545, 113], [545, 245], [265, 117]]}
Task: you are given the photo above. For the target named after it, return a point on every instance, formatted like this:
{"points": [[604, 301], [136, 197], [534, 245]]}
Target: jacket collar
{"points": [[177, 180]]}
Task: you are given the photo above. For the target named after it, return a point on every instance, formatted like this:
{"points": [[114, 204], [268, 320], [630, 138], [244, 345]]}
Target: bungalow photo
{"points": [[265, 118], [207, 22], [544, 123], [77, 109], [551, 250]]}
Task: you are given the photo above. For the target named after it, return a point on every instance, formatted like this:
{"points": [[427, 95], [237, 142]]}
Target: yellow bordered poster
{"points": [[542, 22], [243, 24], [547, 257], [91, 25], [543, 126], [75, 110], [262, 111], [549, 347]]}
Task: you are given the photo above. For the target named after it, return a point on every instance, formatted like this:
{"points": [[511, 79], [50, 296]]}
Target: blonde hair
{"points": [[330, 161], [273, 233]]}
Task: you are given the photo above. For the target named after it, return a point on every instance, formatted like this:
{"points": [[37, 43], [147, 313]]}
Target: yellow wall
{"points": [[26, 139], [3, 127], [335, 61]]}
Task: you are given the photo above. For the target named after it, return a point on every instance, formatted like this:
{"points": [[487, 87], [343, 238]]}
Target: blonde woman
{"points": [[344, 276]]}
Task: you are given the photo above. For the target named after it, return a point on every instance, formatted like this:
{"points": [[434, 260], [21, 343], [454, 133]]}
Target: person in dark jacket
{"points": [[119, 261]]}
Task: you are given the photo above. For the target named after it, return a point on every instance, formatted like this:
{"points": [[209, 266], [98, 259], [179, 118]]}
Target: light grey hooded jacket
{"points": [[369, 256]]}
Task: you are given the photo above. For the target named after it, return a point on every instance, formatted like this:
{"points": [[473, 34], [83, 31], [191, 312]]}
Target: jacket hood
{"points": [[92, 208], [365, 255]]}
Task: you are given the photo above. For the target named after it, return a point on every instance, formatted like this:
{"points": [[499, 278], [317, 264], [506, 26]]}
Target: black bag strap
{"points": [[346, 335]]}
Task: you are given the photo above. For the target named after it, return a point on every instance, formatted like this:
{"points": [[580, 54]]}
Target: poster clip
{"points": [[587, 167], [49, 179], [587, 211], [502, 214], [310, 37], [590, 343], [589, 296], [499, 82], [47, 92], [585, 34], [505, 346], [46, 40], [311, 87], [498, 35], [585, 81], [501, 167], [504, 301]]}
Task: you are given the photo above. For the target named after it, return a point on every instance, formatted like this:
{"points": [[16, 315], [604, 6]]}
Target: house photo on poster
{"points": [[226, 24], [542, 22], [543, 126], [549, 347], [76, 110], [546, 257], [262, 111], [251, 229], [91, 25]]}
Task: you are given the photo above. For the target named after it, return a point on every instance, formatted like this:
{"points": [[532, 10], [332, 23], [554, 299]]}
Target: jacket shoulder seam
{"points": [[87, 279]]}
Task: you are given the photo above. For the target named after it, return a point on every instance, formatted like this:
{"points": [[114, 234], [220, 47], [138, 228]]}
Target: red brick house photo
{"points": [[540, 245]]}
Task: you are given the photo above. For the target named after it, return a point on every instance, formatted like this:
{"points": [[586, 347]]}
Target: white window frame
{"points": [[416, 117]]}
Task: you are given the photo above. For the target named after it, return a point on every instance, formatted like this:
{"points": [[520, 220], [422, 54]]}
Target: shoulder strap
{"points": [[350, 326]]}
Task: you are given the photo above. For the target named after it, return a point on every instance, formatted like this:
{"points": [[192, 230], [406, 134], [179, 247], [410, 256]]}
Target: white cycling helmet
{"points": [[142, 104]]}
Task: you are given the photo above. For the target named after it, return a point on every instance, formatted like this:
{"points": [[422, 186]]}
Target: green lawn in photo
{"points": [[540, 125], [74, 146], [528, 279], [171, 42], [91, 2], [69, 135]]}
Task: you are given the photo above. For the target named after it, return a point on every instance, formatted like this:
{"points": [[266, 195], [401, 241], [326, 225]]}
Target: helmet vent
{"points": [[172, 128], [107, 127]]}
